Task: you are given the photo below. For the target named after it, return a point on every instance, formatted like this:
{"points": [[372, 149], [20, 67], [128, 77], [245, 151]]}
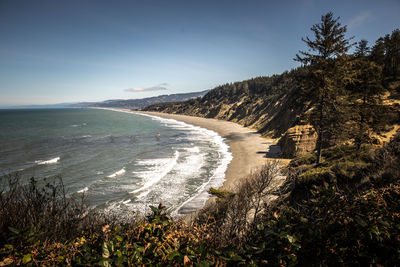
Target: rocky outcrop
{"points": [[298, 140]]}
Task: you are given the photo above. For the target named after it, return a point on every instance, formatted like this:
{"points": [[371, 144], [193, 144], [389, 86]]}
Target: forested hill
{"points": [[140, 103], [267, 104]]}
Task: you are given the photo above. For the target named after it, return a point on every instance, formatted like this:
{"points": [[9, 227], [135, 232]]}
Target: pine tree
{"points": [[366, 98], [394, 53], [378, 52], [362, 49], [326, 61]]}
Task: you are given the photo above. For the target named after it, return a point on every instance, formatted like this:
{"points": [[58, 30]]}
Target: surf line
{"points": [[46, 162], [150, 183]]}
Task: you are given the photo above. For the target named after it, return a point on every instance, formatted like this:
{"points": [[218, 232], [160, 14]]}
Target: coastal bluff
{"points": [[271, 106]]}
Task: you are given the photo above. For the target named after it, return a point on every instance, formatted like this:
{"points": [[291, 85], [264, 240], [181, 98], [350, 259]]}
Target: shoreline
{"points": [[249, 150]]}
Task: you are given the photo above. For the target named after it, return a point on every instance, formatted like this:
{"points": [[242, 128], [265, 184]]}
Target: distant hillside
{"points": [[49, 106], [118, 103], [141, 103]]}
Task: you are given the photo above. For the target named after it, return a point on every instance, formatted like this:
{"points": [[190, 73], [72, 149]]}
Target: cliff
{"points": [[277, 107], [271, 105], [298, 140]]}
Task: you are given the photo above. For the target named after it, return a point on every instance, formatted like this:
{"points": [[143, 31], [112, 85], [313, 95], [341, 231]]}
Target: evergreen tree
{"points": [[362, 49], [387, 59], [393, 53], [326, 61], [386, 53], [378, 52], [366, 98]]}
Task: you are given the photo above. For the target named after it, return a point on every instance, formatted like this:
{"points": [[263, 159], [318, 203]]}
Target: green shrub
{"points": [[314, 174], [222, 195], [305, 159], [43, 209]]}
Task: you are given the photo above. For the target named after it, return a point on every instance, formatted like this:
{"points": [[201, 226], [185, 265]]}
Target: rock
{"points": [[298, 140]]}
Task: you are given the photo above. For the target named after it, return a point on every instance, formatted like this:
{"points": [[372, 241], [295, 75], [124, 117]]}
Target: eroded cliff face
{"points": [[298, 140]]}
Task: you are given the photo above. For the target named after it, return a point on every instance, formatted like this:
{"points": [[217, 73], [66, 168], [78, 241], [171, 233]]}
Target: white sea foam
{"points": [[83, 190], [155, 173], [118, 173], [198, 200], [50, 161], [79, 125], [154, 176], [195, 149], [225, 157], [126, 201], [183, 182]]}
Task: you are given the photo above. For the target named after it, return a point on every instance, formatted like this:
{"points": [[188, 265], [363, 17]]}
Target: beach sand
{"points": [[249, 150]]}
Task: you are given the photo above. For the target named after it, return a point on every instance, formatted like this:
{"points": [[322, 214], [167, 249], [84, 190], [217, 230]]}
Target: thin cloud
{"points": [[159, 87], [359, 19]]}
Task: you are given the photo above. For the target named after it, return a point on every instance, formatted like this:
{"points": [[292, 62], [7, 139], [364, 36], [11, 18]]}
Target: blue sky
{"points": [[71, 51]]}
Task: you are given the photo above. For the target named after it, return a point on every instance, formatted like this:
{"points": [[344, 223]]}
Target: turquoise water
{"points": [[120, 161]]}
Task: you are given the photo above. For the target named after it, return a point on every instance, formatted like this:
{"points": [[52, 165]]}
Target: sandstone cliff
{"points": [[298, 140]]}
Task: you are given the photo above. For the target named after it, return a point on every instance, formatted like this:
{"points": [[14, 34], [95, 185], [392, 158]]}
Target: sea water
{"points": [[120, 161]]}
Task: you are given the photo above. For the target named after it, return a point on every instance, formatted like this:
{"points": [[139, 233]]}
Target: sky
{"points": [[81, 50]]}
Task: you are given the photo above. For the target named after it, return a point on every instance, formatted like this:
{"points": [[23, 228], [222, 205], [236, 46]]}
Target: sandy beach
{"points": [[249, 150]]}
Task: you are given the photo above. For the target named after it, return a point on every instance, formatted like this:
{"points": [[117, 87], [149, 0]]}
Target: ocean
{"points": [[120, 161]]}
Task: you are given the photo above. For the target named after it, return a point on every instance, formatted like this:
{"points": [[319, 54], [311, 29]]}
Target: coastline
{"points": [[249, 150]]}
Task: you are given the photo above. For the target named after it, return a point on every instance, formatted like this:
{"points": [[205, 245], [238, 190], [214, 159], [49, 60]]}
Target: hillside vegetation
{"points": [[268, 104], [339, 205]]}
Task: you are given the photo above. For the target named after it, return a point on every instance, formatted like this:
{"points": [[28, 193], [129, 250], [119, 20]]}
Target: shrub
{"points": [[159, 241], [315, 174], [44, 211], [222, 195], [235, 214]]}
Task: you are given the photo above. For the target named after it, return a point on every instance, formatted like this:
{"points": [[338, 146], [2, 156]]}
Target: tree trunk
{"points": [[319, 142], [362, 120], [320, 128]]}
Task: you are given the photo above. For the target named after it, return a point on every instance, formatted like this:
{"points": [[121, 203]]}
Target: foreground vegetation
{"points": [[338, 206], [335, 223]]}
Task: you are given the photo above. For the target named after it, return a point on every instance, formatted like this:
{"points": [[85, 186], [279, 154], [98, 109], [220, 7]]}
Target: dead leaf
{"points": [[186, 260], [6, 261]]}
